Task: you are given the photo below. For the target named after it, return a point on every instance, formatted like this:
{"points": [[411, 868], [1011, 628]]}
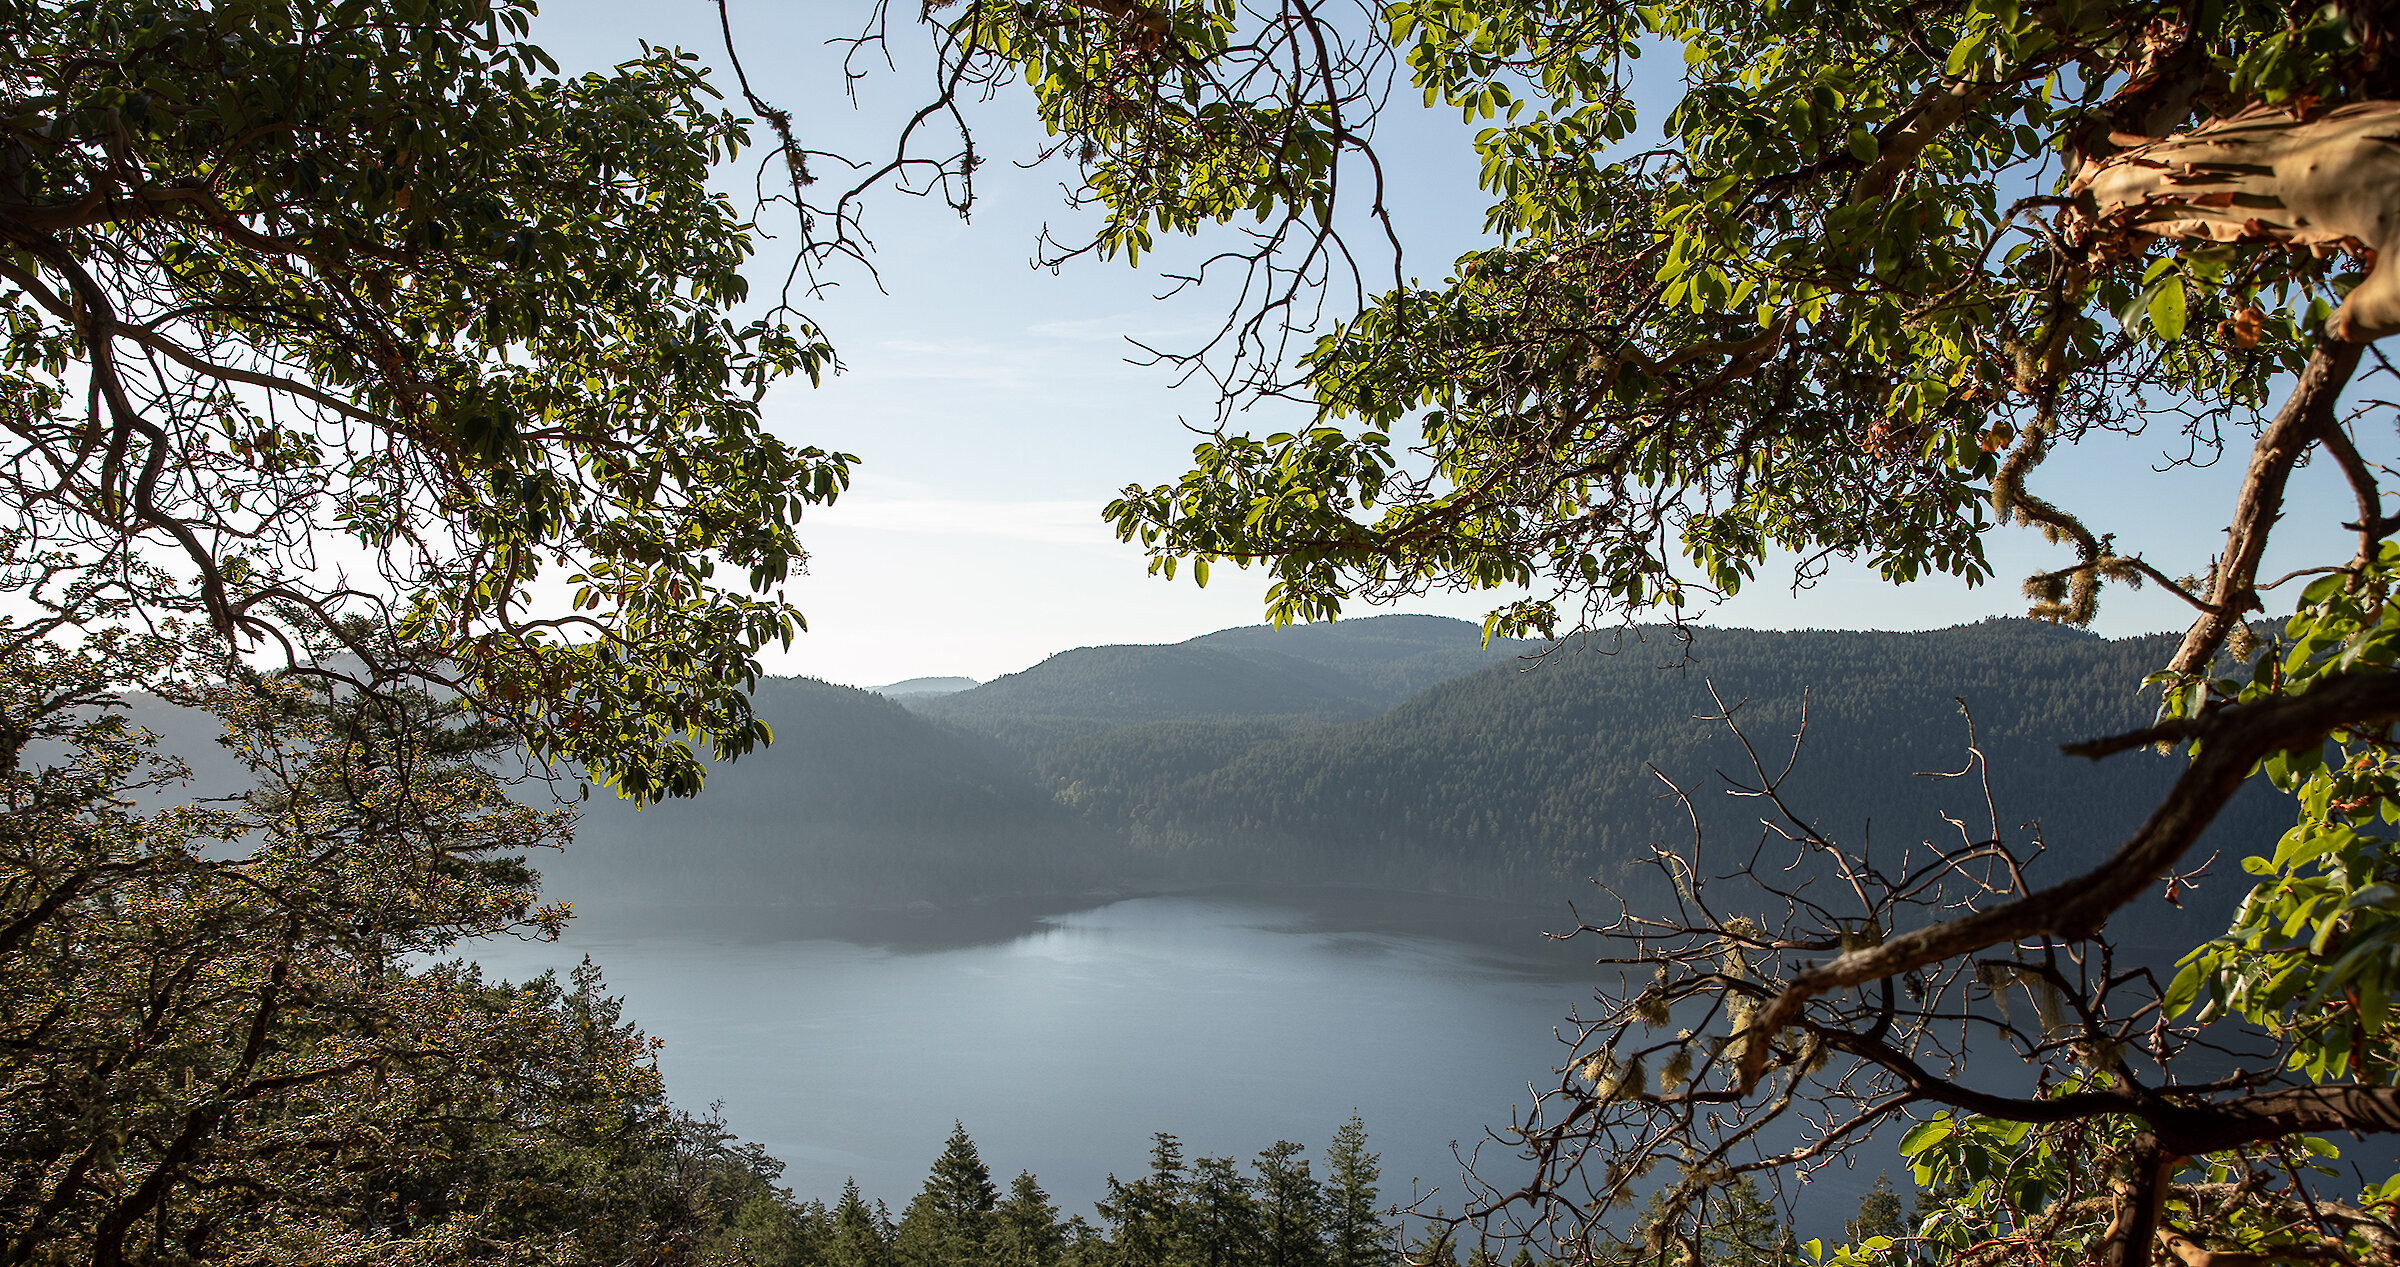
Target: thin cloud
{"points": [[1117, 329], [1056, 522]]}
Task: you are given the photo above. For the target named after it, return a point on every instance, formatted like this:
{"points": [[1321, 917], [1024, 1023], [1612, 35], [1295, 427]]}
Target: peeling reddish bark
{"points": [[2266, 176]]}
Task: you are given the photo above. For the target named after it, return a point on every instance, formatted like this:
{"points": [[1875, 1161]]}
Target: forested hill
{"points": [[858, 801], [1519, 779], [1381, 660], [1526, 777], [1345, 670]]}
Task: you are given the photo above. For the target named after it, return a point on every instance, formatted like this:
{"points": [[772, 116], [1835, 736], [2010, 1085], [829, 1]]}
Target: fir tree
{"points": [[1146, 1215], [1082, 1245], [1438, 1246], [1354, 1232], [765, 1232], [1223, 1224], [1291, 1209], [951, 1220], [1880, 1214], [1026, 1231], [1743, 1229], [861, 1237]]}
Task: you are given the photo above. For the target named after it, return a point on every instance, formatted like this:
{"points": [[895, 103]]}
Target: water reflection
{"points": [[1510, 935], [846, 1042]]}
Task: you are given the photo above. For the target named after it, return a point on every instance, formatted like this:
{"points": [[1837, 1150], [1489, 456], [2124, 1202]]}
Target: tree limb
{"points": [[2233, 741], [2306, 417]]}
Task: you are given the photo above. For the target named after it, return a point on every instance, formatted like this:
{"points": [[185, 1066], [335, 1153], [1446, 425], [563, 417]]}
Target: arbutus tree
{"points": [[353, 309], [395, 399], [1878, 266]]}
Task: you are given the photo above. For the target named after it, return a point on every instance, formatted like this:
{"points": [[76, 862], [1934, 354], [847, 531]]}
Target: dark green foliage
{"points": [[1437, 1247], [861, 1237], [1385, 658], [1223, 1227], [1291, 1208], [1026, 1231], [1517, 780], [1146, 1217], [230, 1032], [952, 1220], [1084, 1246], [727, 1191], [376, 278], [1139, 684], [1355, 1234], [1196, 1212], [1880, 1213], [1743, 1229]]}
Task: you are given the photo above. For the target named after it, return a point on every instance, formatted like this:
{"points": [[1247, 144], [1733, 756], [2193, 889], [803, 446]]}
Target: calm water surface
{"points": [[847, 1043]]}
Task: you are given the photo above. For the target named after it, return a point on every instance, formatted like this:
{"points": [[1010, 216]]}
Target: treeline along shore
{"points": [[1281, 1208]]}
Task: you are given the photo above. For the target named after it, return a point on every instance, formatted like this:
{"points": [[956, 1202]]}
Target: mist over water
{"points": [[847, 1042]]}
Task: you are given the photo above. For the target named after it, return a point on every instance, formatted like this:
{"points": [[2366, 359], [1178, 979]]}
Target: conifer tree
{"points": [[1880, 1214], [223, 1028], [771, 1233], [1437, 1246], [1744, 1230], [1223, 1224], [861, 1236], [1082, 1245], [1147, 1215], [1026, 1231], [951, 1220], [1291, 1208], [1355, 1235]]}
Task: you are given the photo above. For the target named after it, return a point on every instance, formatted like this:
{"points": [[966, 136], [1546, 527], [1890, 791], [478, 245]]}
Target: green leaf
{"points": [[2183, 990], [2167, 308], [1926, 1134]]}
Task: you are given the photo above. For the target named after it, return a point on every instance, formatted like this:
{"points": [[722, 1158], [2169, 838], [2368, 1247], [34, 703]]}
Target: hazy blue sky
{"points": [[995, 411]]}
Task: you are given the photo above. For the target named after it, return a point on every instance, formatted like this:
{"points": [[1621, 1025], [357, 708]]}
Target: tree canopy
{"points": [[349, 309], [227, 1035], [1875, 267], [377, 390]]}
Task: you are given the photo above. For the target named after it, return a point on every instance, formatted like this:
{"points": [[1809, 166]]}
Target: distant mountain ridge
{"points": [[1260, 754], [1524, 780], [925, 686], [1341, 671]]}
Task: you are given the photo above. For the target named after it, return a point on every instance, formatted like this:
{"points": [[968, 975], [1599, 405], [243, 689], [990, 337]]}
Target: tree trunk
{"points": [[2264, 176]]}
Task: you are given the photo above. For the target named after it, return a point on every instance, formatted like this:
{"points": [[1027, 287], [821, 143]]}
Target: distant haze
{"points": [[1400, 752], [926, 686]]}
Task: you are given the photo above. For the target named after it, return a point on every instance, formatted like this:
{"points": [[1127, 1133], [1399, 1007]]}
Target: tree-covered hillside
{"points": [[1117, 685], [1521, 780], [1342, 671], [1526, 778], [857, 800], [1381, 659]]}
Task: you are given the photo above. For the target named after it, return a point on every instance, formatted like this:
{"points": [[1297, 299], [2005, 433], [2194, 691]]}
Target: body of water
{"points": [[847, 1043]]}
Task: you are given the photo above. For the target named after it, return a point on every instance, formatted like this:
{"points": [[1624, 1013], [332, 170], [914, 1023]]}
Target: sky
{"points": [[995, 410]]}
